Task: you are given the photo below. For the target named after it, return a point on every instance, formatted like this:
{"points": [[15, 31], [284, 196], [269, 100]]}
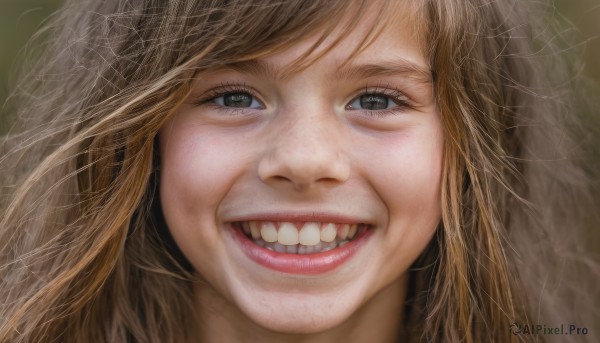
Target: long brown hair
{"points": [[85, 255]]}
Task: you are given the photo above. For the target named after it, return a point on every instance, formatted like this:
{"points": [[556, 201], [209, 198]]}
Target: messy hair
{"points": [[85, 254]]}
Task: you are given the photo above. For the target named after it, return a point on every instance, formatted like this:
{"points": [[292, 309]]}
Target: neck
{"points": [[379, 320]]}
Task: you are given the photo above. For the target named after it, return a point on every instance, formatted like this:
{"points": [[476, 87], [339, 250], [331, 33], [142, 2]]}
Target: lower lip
{"points": [[309, 264]]}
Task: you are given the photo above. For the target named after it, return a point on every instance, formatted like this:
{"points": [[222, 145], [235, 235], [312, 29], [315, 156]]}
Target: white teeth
{"points": [[268, 232], [288, 234], [309, 234], [328, 233], [311, 238], [255, 230], [352, 231]]}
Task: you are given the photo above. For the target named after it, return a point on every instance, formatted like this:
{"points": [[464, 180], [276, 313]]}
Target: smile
{"points": [[300, 247], [299, 238]]}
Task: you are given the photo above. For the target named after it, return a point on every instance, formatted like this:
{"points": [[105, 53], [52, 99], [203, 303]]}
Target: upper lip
{"points": [[316, 216]]}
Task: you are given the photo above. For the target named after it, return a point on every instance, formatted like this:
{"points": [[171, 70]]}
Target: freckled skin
{"points": [[304, 150]]}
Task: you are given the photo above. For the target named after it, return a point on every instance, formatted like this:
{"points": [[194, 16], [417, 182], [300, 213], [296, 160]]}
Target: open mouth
{"points": [[301, 238]]}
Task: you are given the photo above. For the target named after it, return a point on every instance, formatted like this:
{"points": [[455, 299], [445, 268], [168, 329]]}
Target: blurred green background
{"points": [[20, 19]]}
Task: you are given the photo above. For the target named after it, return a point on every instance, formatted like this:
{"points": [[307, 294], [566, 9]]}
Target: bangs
{"points": [[251, 30]]}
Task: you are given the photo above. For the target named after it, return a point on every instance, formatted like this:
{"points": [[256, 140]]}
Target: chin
{"points": [[300, 314]]}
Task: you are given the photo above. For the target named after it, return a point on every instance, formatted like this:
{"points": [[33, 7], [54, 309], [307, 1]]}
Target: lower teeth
{"points": [[299, 248]]}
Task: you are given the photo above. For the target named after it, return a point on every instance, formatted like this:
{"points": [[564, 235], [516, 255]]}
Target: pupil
{"points": [[373, 102], [237, 100]]}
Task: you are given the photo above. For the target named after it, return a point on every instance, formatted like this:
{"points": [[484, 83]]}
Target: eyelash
{"points": [[225, 89], [395, 95]]}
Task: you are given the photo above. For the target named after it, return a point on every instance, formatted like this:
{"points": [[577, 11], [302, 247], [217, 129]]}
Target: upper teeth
{"points": [[310, 233]]}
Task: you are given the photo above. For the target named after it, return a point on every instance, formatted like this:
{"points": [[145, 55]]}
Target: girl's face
{"points": [[334, 151]]}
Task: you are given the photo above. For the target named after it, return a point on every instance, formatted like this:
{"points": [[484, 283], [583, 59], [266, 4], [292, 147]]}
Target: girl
{"points": [[297, 171]]}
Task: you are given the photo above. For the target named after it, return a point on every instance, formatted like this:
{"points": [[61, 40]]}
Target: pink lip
{"points": [[310, 264]]}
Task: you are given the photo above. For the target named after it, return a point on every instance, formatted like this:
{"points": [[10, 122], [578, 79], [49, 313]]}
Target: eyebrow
{"points": [[398, 67], [257, 68]]}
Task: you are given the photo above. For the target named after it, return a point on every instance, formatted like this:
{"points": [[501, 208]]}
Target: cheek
{"points": [[406, 172], [197, 169], [420, 177]]}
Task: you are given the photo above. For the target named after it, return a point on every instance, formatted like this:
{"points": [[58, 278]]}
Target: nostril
{"points": [[297, 185], [280, 178]]}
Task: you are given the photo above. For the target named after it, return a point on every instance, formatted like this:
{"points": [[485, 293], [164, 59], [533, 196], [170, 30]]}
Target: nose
{"points": [[305, 153]]}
